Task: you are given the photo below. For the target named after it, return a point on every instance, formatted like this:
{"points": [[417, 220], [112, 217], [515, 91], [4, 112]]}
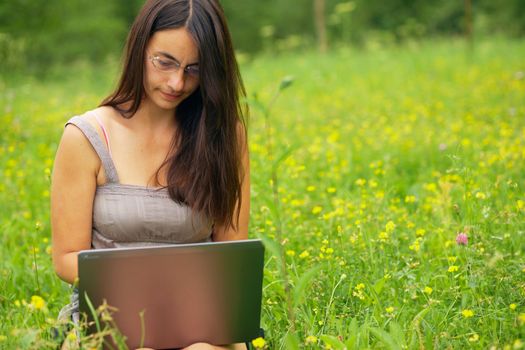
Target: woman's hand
{"points": [[206, 346], [200, 346]]}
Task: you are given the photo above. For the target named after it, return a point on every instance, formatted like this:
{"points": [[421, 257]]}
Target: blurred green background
{"points": [[409, 130], [36, 34]]}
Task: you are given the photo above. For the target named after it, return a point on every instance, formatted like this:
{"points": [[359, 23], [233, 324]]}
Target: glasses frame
{"points": [[189, 71]]}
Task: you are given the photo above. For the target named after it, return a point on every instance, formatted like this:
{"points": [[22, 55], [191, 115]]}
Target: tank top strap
{"points": [[102, 152]]}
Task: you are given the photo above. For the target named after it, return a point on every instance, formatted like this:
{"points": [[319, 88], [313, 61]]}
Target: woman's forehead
{"points": [[176, 42]]}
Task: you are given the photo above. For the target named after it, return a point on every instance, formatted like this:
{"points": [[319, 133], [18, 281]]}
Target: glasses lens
{"points": [[192, 71], [164, 64], [167, 65]]}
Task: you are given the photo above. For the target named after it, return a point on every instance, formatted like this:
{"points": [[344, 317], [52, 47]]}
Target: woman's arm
{"points": [[222, 233], [73, 186], [206, 346]]}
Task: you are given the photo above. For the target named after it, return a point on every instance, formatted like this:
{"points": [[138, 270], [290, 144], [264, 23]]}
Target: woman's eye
{"points": [[192, 70], [165, 64]]}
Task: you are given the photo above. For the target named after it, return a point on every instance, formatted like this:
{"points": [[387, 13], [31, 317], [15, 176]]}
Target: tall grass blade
{"points": [[385, 338], [303, 283]]}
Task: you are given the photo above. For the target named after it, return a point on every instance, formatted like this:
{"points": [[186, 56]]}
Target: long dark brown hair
{"points": [[204, 169]]}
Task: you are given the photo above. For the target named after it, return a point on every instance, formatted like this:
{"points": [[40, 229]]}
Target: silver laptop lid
{"points": [[206, 292]]}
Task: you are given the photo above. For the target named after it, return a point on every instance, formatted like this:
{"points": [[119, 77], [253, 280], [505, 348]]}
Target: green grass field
{"points": [[364, 171]]}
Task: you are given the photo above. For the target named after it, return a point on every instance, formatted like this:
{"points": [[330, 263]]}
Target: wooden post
{"points": [[468, 22], [320, 24]]}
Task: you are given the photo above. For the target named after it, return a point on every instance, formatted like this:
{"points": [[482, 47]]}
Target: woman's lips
{"points": [[170, 97]]}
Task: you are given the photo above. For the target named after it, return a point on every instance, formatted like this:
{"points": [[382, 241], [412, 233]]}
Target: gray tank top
{"points": [[133, 216]]}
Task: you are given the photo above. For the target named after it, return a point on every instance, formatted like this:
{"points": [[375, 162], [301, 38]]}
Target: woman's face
{"points": [[171, 71]]}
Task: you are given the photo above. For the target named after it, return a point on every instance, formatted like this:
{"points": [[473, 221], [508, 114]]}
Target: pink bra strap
{"points": [[103, 131]]}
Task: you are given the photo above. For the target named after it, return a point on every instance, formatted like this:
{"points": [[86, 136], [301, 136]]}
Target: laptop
{"points": [[204, 292]]}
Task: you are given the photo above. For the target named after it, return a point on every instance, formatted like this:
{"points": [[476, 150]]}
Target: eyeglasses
{"points": [[169, 65]]}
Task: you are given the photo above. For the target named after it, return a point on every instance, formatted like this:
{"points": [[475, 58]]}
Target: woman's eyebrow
{"points": [[167, 55]]}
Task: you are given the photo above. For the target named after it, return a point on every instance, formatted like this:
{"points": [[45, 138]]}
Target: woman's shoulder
{"points": [[75, 149], [82, 128], [103, 114], [99, 120]]}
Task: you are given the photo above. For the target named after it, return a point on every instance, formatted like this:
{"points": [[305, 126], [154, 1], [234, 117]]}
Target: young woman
{"points": [[164, 158]]}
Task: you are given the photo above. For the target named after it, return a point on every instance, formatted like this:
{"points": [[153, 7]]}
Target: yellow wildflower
{"points": [[474, 338], [290, 252], [521, 318], [410, 199], [480, 195], [390, 226], [37, 302], [71, 336], [360, 182], [304, 254], [431, 187], [427, 290], [311, 339], [317, 209], [358, 291], [453, 268], [259, 343], [414, 246], [296, 202], [389, 309], [467, 313], [512, 306]]}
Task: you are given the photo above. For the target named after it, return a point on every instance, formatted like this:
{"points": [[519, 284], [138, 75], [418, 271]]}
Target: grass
{"points": [[380, 159]]}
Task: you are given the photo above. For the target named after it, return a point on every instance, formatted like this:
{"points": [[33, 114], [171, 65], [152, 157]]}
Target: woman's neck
{"points": [[152, 118]]}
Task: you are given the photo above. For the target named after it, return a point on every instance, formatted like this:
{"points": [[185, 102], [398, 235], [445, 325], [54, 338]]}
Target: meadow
{"points": [[387, 185]]}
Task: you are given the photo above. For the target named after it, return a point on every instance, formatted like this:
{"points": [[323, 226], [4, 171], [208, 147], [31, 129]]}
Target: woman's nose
{"points": [[176, 80]]}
